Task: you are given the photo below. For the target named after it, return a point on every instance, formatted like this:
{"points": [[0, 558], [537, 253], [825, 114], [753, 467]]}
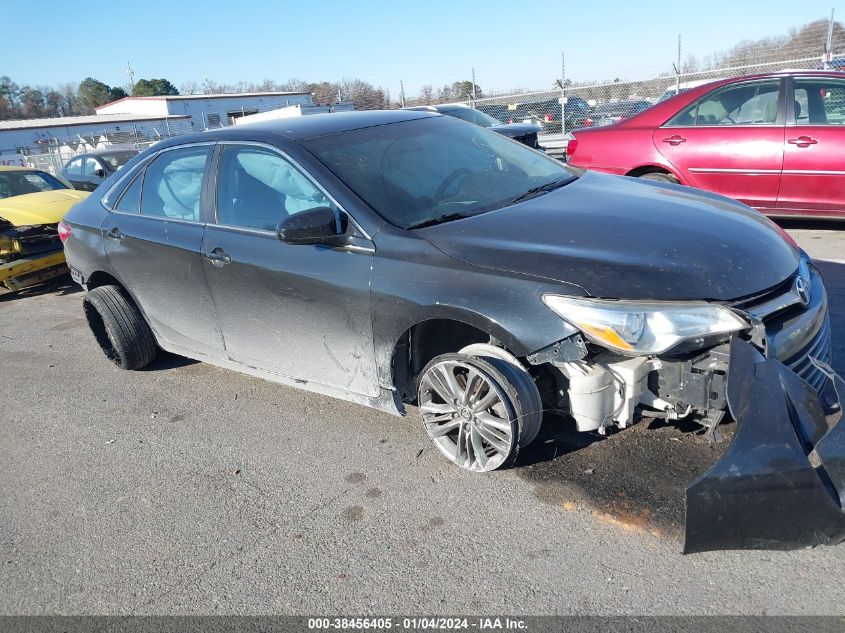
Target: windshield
{"points": [[116, 161], [416, 171], [473, 116], [18, 183]]}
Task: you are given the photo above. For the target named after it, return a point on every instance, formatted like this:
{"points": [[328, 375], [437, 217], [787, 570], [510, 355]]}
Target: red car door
{"points": [[813, 179], [730, 141]]}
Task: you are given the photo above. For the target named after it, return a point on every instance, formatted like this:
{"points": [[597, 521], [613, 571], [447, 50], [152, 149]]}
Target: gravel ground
{"points": [[189, 489]]}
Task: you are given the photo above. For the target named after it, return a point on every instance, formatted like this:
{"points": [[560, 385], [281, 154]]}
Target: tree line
{"points": [[70, 99]]}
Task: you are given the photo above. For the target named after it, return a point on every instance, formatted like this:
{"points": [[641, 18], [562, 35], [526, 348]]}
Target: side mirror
{"points": [[321, 225], [100, 173]]}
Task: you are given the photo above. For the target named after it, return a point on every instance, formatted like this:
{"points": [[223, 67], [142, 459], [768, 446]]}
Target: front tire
{"points": [[119, 327], [471, 411]]}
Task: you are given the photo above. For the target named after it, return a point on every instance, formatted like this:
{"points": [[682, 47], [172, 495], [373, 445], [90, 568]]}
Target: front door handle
{"points": [[115, 234], [675, 140], [217, 257], [802, 141]]}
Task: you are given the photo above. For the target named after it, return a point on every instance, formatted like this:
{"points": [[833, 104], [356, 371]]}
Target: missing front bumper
{"points": [[781, 482]]}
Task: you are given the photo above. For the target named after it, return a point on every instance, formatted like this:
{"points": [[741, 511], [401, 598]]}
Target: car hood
{"points": [[44, 207], [623, 238], [514, 130]]}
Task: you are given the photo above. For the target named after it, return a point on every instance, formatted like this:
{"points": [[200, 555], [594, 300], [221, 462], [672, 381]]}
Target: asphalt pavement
{"points": [[188, 489]]}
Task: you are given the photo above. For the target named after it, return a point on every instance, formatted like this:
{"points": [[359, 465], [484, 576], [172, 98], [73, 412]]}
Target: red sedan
{"points": [[775, 142]]}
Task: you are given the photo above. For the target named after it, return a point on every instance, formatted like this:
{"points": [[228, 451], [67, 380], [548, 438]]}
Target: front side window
{"points": [[19, 183], [424, 170], [744, 104], [173, 184], [91, 166], [819, 101], [258, 188]]}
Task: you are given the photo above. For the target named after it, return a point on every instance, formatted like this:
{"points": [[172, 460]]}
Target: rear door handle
{"points": [[217, 257], [802, 141], [675, 140], [115, 234]]}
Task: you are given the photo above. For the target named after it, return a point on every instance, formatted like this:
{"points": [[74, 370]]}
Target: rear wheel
{"points": [[119, 327], [660, 176], [471, 411]]}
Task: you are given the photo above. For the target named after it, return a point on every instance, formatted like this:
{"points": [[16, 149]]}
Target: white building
{"points": [[74, 134], [207, 111]]}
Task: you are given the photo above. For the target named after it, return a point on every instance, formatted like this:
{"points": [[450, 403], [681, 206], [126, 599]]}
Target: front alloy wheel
{"points": [[470, 411]]}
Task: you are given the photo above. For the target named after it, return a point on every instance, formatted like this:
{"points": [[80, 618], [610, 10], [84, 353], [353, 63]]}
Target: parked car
{"points": [[525, 133], [609, 113], [87, 171], [544, 112], [774, 142], [31, 204], [402, 257]]}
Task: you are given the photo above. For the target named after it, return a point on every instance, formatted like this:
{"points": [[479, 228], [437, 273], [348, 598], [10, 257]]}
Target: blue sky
{"points": [[511, 44]]}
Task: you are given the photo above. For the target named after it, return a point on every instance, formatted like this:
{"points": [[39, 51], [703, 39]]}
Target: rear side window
{"points": [[743, 104], [819, 101], [74, 167], [173, 184], [130, 201]]}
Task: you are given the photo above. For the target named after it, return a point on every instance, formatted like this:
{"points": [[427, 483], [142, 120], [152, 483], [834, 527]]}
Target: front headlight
{"points": [[644, 327]]}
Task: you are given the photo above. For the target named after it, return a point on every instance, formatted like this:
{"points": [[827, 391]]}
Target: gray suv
{"points": [[393, 258]]}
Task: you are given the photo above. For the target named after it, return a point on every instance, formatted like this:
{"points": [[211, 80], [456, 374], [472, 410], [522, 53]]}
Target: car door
{"points": [[302, 310], [153, 237], [93, 173], [730, 141], [813, 180], [73, 172]]}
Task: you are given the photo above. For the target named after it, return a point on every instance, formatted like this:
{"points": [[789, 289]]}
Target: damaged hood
{"points": [[625, 238], [44, 207]]}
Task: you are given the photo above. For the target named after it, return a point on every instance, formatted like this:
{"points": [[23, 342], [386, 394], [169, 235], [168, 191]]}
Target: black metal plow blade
{"points": [[781, 482]]}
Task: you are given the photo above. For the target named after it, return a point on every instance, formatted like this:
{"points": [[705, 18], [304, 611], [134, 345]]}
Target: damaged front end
{"points": [[780, 483], [29, 255]]}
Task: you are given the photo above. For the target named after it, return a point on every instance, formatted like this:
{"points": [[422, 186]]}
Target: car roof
{"points": [[312, 125], [302, 127], [105, 152], [18, 168]]}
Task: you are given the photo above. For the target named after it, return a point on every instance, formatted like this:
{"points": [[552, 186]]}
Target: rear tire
{"points": [[119, 327], [660, 176]]}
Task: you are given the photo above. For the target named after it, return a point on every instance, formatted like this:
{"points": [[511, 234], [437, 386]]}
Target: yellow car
{"points": [[32, 202]]}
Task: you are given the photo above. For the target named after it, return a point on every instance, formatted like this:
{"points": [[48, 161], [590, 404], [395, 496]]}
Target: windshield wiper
{"points": [[440, 219], [535, 191]]}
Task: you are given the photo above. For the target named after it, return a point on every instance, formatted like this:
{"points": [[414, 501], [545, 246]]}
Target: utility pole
{"points": [[678, 68], [563, 93], [473, 86], [131, 74], [402, 93], [828, 49]]}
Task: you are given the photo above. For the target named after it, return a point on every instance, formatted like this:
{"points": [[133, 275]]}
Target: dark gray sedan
{"points": [[406, 257], [525, 133]]}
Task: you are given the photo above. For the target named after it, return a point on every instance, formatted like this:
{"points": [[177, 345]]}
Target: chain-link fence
{"points": [[565, 105]]}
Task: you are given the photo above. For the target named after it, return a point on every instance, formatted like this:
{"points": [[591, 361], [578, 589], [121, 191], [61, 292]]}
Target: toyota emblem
{"points": [[802, 289]]}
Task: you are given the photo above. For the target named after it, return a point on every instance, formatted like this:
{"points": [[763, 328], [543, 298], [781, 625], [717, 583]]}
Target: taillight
{"points": [[548, 118], [571, 146], [64, 231]]}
